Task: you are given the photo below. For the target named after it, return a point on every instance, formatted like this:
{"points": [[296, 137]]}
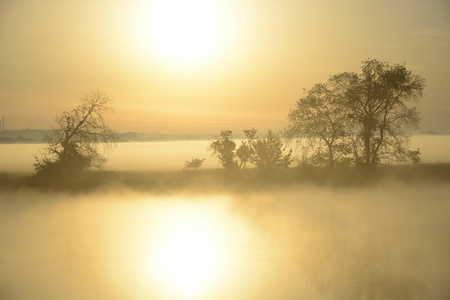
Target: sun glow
{"points": [[184, 249], [187, 257], [185, 31]]}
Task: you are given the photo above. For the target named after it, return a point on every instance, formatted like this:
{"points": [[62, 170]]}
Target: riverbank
{"points": [[216, 180]]}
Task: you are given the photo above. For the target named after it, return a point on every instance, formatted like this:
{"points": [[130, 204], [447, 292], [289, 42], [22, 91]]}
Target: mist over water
{"points": [[387, 241], [171, 155], [206, 237]]}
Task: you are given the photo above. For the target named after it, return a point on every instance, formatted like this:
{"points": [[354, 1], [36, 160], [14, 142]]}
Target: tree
{"points": [[266, 153], [382, 104], [74, 145], [245, 152], [269, 153], [224, 149], [193, 163], [323, 119], [360, 117]]}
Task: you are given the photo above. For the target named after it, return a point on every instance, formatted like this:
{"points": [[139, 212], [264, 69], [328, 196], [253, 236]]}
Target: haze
{"points": [[241, 64], [306, 242], [154, 222], [171, 155]]}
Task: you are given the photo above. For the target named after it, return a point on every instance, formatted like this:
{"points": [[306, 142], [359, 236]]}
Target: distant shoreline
{"points": [[35, 136]]}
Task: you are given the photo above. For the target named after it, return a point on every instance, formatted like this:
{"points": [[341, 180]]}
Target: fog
{"points": [[171, 155], [208, 235], [386, 241]]}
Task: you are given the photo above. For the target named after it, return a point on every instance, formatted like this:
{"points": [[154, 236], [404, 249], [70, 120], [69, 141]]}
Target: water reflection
{"points": [[299, 244]]}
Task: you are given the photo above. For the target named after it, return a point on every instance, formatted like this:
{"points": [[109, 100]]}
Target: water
{"points": [[385, 242], [172, 155]]}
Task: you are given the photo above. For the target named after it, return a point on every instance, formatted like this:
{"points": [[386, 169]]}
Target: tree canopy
{"points": [[224, 148], [264, 153], [361, 118]]}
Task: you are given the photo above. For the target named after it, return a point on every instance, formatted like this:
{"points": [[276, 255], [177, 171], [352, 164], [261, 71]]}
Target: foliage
{"points": [[245, 152], [224, 149], [380, 105], [74, 145], [323, 119], [269, 153], [193, 163], [266, 153], [414, 156], [359, 118]]}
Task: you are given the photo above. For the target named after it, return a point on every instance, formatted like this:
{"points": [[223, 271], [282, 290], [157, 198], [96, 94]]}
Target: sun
{"points": [[185, 30]]}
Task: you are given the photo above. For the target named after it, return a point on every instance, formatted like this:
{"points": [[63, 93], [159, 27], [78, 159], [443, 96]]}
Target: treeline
{"points": [[351, 120], [265, 153], [37, 136], [354, 119]]}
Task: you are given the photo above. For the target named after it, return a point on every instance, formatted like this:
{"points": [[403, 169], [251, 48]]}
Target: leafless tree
{"points": [[74, 144]]}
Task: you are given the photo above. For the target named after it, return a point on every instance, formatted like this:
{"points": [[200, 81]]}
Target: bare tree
{"points": [[74, 145]]}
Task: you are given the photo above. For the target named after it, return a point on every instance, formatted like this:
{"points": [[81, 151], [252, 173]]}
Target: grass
{"points": [[217, 180]]}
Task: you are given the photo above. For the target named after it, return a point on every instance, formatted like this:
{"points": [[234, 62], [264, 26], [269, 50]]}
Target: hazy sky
{"points": [[207, 65]]}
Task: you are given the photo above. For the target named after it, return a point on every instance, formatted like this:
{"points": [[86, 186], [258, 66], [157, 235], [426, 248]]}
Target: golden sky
{"points": [[201, 66]]}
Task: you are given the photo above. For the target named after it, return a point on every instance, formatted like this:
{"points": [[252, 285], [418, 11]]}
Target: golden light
{"points": [[186, 254], [182, 249], [183, 31], [188, 258]]}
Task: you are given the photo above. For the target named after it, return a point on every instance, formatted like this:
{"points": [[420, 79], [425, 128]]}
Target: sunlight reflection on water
{"points": [[308, 243], [169, 248]]}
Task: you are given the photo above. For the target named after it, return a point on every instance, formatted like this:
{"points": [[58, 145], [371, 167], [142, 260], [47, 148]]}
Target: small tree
{"points": [[74, 145], [193, 164], [414, 156], [245, 152], [269, 153], [266, 153], [224, 148]]}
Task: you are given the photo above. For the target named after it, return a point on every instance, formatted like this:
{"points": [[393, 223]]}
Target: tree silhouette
{"points": [[74, 145], [193, 163], [245, 152], [360, 117], [381, 106], [323, 119], [265, 153], [269, 153], [224, 149]]}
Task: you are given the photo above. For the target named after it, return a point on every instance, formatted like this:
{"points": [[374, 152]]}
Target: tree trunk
{"points": [[330, 156]]}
